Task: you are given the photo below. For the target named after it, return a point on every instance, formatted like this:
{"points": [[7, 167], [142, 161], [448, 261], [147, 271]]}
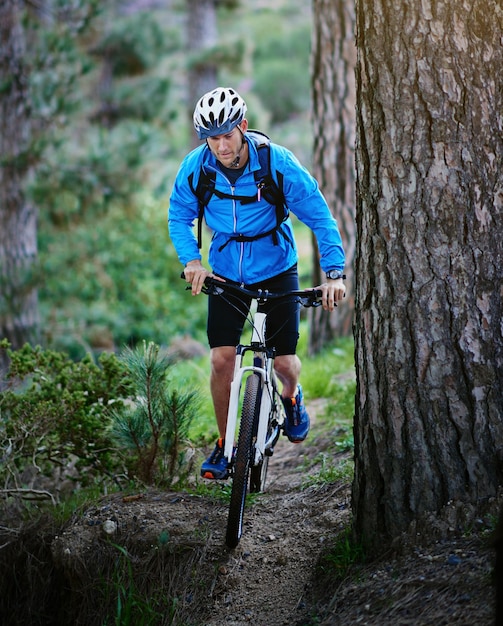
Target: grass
{"points": [[195, 374], [341, 555], [331, 471], [220, 493], [329, 374], [325, 373]]}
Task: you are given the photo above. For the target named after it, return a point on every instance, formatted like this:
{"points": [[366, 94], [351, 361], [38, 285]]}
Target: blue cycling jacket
{"points": [[250, 262]]}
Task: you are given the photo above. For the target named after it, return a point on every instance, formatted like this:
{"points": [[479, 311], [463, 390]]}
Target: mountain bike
{"points": [[255, 395]]}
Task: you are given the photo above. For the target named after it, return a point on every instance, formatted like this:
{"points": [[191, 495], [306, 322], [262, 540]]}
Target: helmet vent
{"points": [[218, 112]]}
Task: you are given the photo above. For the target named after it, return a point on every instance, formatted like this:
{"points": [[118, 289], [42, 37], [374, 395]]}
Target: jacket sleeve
{"points": [[183, 212], [305, 200]]}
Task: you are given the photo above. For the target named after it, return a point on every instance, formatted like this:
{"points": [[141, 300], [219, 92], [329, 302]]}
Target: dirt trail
{"points": [[271, 578], [267, 577]]}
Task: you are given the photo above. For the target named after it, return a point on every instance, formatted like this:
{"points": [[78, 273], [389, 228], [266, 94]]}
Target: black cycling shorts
{"points": [[227, 314]]}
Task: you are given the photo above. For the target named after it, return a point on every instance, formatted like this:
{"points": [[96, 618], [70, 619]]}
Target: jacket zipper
{"points": [[233, 188], [241, 251]]}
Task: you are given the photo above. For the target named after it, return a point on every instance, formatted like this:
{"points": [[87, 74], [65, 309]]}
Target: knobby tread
{"points": [[249, 415]]}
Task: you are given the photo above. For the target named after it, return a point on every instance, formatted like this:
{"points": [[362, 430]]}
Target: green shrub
{"points": [[281, 71], [53, 417], [63, 420], [115, 285], [154, 426]]}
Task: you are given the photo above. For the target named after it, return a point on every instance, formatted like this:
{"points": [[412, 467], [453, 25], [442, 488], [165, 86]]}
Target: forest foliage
{"points": [[110, 85], [107, 86]]}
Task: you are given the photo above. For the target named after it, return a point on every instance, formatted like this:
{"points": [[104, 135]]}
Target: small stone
{"points": [[109, 527]]}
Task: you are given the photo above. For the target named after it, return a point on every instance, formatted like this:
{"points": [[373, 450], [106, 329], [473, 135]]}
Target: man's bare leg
{"points": [[288, 368], [222, 361]]}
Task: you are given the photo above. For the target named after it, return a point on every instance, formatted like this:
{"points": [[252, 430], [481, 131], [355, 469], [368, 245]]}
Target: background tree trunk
{"points": [[202, 36], [429, 405], [334, 100], [18, 227]]}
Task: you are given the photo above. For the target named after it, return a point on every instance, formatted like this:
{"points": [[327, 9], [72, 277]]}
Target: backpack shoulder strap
{"points": [[258, 137], [203, 192], [271, 189]]}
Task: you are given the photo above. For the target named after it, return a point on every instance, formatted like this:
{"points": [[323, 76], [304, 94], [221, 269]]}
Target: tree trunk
{"points": [[18, 227], [429, 349], [202, 36], [333, 89]]}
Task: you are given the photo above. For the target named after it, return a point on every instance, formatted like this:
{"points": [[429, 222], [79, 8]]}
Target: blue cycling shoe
{"points": [[216, 466], [297, 419]]}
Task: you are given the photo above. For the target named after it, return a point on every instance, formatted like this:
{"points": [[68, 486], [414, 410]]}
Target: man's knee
{"points": [[222, 358], [288, 365]]}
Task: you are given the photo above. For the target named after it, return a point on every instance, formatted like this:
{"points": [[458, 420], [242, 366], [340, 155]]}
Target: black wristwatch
{"points": [[335, 274]]}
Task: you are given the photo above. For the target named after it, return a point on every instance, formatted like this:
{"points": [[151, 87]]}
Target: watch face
{"points": [[334, 274]]}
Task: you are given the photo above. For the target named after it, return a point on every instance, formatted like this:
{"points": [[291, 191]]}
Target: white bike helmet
{"points": [[218, 112]]}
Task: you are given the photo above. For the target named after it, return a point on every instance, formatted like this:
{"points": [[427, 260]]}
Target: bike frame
{"points": [[263, 366]]}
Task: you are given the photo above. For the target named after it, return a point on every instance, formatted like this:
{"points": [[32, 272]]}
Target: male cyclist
{"points": [[249, 247]]}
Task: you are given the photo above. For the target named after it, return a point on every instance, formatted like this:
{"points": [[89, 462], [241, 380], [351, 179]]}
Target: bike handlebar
{"points": [[305, 297]]}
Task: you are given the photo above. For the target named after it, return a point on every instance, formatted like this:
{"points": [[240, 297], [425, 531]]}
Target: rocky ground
{"points": [[279, 573]]}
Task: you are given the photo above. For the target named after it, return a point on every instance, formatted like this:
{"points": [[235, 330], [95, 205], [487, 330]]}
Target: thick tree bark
{"points": [[18, 227], [334, 98], [429, 406]]}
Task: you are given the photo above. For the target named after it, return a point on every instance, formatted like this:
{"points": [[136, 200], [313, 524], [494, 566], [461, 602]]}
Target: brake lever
{"points": [[212, 290], [308, 301]]}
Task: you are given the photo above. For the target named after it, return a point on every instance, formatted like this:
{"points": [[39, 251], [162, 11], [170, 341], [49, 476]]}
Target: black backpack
{"points": [[267, 188]]}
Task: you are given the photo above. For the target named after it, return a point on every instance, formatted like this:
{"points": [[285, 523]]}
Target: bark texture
{"points": [[334, 121], [18, 227], [429, 349]]}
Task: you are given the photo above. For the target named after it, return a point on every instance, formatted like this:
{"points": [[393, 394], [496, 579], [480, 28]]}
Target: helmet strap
{"points": [[235, 163]]}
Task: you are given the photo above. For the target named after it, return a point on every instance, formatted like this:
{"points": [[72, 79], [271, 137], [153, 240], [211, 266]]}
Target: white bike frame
{"points": [[267, 377]]}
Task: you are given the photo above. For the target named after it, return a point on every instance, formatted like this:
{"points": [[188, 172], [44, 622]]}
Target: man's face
{"points": [[227, 147]]}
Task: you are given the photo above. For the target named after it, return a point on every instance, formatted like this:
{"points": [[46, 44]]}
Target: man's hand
{"points": [[333, 292], [195, 273]]}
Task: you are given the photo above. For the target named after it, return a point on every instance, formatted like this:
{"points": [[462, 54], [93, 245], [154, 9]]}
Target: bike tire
{"points": [[242, 462]]}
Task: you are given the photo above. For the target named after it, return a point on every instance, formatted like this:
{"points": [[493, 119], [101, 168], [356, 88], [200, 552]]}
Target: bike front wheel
{"points": [[242, 462]]}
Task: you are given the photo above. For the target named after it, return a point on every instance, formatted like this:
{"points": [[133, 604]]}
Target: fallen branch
{"points": [[29, 494]]}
